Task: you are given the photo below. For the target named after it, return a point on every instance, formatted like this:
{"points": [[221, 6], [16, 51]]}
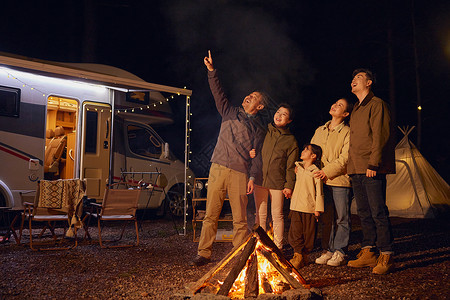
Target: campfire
{"points": [[259, 267]]}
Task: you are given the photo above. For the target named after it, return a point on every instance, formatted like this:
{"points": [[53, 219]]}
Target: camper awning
{"points": [[92, 73]]}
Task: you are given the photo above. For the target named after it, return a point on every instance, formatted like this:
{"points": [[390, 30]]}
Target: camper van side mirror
{"points": [[166, 150]]}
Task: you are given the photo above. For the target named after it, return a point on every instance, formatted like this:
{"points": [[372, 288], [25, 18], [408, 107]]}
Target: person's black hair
{"points": [[289, 109], [348, 109], [368, 73], [317, 150]]}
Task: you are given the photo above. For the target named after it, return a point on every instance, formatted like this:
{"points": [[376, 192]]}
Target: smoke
{"points": [[251, 48]]}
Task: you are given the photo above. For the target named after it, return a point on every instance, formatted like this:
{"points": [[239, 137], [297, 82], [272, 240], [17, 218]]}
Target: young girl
{"points": [[279, 153], [306, 205]]}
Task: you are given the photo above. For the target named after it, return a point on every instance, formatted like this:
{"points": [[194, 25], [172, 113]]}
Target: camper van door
{"points": [[96, 147]]}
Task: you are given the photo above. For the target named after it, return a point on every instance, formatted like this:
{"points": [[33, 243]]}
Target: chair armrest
{"points": [[28, 206], [94, 207], [126, 184]]}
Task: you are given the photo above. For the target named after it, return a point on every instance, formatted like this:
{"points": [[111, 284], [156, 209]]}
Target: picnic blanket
{"points": [[61, 196]]}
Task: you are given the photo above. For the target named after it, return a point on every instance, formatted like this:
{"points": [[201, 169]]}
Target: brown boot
{"points": [[298, 261], [365, 258], [385, 264]]}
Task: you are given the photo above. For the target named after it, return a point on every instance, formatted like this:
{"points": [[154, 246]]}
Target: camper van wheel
{"points": [[174, 204]]}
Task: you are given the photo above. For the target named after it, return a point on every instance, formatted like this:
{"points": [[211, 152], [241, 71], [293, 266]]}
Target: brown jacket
{"points": [[334, 144], [372, 141]]}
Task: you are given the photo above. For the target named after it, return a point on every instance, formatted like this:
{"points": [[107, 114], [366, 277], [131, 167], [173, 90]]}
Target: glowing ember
{"points": [[269, 279]]}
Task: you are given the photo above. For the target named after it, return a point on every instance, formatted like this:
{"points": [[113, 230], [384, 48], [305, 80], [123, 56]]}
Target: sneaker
{"points": [[200, 261], [337, 259], [365, 258], [299, 260], [324, 258], [385, 264]]}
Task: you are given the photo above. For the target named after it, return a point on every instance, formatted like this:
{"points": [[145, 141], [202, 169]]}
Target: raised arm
{"points": [[223, 105]]}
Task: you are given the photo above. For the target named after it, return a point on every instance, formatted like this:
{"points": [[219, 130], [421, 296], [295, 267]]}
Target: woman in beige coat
{"points": [[333, 137]]}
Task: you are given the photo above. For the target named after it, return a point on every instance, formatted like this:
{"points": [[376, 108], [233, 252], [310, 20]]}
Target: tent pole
{"points": [[419, 175]]}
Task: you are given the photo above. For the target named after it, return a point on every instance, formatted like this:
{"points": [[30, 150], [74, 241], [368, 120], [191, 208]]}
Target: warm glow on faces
{"points": [[339, 109], [282, 117], [252, 103], [307, 154], [360, 82]]}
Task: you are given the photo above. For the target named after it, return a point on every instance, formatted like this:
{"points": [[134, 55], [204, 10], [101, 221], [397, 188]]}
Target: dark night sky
{"points": [[302, 52]]}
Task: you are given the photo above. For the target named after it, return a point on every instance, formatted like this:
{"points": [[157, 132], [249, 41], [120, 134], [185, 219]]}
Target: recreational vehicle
{"points": [[62, 121]]}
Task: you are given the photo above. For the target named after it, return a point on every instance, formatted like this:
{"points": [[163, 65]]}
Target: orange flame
{"points": [[267, 274]]}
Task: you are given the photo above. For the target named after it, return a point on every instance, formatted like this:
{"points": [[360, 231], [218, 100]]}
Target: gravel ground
{"points": [[159, 267]]}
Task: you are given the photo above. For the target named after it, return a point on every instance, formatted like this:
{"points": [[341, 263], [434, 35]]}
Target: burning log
{"points": [[228, 283], [292, 281], [202, 282], [268, 243], [251, 278], [266, 285]]}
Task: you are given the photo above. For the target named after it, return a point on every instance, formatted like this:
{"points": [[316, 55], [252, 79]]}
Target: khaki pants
{"points": [[223, 181]]}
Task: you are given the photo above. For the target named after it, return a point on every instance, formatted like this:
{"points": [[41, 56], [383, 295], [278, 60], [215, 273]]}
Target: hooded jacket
{"points": [[308, 192], [279, 153]]}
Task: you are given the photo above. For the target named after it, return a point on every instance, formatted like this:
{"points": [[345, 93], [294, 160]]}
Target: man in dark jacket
{"points": [[240, 131], [371, 157]]}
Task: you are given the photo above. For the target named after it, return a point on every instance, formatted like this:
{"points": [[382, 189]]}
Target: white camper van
{"points": [[61, 121]]}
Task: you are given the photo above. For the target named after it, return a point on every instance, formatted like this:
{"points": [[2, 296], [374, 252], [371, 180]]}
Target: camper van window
{"points": [[10, 100], [91, 132], [143, 142]]}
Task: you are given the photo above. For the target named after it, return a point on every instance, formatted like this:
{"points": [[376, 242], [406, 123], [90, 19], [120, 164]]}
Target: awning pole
{"points": [[186, 161]]}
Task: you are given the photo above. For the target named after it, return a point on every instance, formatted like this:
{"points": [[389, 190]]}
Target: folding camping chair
{"points": [[118, 205], [57, 201]]}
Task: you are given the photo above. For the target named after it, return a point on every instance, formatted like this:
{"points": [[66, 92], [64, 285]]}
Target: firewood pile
{"points": [[258, 267]]}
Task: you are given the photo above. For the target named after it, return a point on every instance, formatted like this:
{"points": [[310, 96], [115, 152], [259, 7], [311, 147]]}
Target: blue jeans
{"points": [[340, 230], [370, 196]]}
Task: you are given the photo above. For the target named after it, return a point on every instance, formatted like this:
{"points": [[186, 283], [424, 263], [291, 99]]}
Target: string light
{"points": [[141, 108], [23, 83]]}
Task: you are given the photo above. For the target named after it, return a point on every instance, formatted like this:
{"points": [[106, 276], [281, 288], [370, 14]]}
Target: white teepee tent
{"points": [[416, 190]]}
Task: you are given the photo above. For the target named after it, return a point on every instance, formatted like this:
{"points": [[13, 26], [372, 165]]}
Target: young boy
{"points": [[307, 203]]}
